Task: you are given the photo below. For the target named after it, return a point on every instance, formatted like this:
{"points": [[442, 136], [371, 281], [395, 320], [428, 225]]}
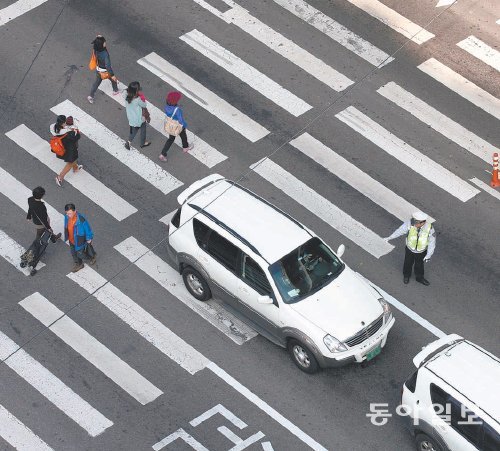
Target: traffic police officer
{"points": [[420, 245]]}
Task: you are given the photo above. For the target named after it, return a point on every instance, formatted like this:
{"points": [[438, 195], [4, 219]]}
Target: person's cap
{"points": [[173, 97], [419, 216]]}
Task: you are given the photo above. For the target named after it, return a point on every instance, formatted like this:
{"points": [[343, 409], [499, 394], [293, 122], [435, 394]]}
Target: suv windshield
{"points": [[305, 270]]}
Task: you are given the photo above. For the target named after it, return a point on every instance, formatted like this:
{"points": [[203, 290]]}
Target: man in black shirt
{"points": [[37, 212]]}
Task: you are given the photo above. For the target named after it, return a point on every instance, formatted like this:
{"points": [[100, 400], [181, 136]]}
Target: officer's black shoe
{"points": [[423, 281], [406, 280]]}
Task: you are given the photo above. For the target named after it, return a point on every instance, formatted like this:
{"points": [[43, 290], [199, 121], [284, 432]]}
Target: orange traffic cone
{"points": [[495, 181]]}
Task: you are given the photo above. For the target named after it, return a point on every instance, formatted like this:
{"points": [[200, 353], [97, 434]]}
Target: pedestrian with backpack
{"points": [[137, 114], [78, 232], [64, 143], [175, 125], [101, 63]]}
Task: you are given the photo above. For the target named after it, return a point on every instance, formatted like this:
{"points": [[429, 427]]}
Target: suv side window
{"points": [[411, 382], [253, 274], [491, 439], [223, 251], [200, 232], [466, 422], [438, 398]]}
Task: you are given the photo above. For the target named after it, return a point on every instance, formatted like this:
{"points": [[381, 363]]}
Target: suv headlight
{"points": [[333, 344], [387, 309]]}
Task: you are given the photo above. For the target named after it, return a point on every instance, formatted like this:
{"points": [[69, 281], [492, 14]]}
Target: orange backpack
{"points": [[57, 146]]}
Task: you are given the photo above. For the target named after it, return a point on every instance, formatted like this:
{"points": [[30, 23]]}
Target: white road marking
{"points": [[461, 86], [265, 407], [11, 251], [114, 145], [221, 410], [202, 151], [205, 98], [354, 176], [407, 155], [91, 349], [146, 325], [52, 388], [171, 280], [481, 51], [183, 435], [322, 208], [394, 20], [87, 184], [239, 442], [485, 187], [407, 311], [438, 121], [246, 73], [280, 44], [18, 193], [18, 434], [336, 31], [17, 9]]}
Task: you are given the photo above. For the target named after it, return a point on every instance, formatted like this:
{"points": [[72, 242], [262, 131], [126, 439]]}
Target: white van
{"points": [[453, 399], [286, 282]]}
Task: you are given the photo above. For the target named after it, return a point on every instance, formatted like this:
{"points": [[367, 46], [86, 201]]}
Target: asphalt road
{"points": [[254, 388]]}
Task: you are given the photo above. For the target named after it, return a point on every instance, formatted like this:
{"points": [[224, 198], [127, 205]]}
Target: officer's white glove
{"points": [[426, 260], [386, 238]]}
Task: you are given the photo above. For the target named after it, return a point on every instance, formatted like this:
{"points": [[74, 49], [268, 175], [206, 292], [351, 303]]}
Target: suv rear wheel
{"points": [[196, 284], [302, 356], [425, 443]]}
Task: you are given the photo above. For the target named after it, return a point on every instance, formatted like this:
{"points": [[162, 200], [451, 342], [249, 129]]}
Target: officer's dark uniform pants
{"points": [[410, 259]]}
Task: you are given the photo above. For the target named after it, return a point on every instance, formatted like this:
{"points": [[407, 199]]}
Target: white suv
{"points": [[229, 242], [453, 399]]}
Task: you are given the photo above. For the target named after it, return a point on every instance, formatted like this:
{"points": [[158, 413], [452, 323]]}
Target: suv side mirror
{"points": [[340, 251], [264, 300]]}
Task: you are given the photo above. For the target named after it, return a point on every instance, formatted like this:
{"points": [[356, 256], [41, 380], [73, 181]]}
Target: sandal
{"points": [[146, 144]]}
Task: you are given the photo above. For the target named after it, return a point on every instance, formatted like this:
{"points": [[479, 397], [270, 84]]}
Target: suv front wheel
{"points": [[426, 443], [196, 284], [302, 356]]}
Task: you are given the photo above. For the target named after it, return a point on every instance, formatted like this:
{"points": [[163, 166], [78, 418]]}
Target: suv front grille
{"points": [[365, 333]]}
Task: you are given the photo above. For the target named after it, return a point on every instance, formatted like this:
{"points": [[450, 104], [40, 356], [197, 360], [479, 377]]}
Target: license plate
{"points": [[373, 353]]}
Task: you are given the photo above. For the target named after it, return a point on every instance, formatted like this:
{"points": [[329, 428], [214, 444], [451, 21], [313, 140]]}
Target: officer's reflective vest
{"points": [[417, 240]]}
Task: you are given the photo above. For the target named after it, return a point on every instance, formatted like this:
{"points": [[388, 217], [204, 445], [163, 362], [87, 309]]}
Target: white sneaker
{"points": [[90, 99], [58, 181], [188, 148]]}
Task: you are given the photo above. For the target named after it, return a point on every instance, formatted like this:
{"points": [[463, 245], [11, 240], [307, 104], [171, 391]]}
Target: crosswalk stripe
{"points": [[203, 97], [281, 45], [17, 9], [52, 388], [485, 187], [438, 121], [11, 251], [146, 325], [246, 73], [406, 154], [354, 176], [18, 434], [91, 349], [202, 151], [18, 193], [481, 51], [114, 145], [336, 31], [87, 184], [461, 86], [322, 208], [166, 219], [394, 20], [171, 280]]}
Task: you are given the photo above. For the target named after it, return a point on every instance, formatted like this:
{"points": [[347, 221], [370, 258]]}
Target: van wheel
{"points": [[196, 284], [302, 357], [425, 443]]}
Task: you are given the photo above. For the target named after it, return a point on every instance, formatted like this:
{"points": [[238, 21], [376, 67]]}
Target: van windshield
{"points": [[305, 270]]}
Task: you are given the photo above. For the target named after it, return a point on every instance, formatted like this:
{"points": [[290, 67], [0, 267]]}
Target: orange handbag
{"points": [[93, 61]]}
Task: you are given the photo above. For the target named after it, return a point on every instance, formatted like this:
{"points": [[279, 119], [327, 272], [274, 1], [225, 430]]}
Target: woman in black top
{"points": [[37, 212], [64, 126]]}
